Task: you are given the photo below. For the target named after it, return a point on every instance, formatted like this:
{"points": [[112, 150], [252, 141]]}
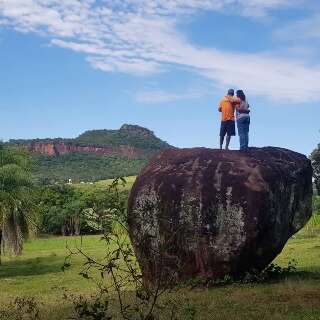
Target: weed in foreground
{"points": [[22, 308], [121, 292]]}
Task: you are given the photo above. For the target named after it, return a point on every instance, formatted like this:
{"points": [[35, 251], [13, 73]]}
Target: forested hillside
{"points": [[132, 135], [94, 155], [83, 167]]}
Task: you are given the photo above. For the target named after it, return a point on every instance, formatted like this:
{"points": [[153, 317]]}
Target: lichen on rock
{"points": [[207, 213]]}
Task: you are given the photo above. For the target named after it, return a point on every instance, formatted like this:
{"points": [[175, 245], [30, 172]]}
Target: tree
{"points": [[315, 159], [15, 187], [77, 209], [61, 208], [103, 204]]}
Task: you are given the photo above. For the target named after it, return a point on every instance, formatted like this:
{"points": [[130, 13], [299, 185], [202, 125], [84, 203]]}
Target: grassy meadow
{"points": [[37, 273], [103, 184]]}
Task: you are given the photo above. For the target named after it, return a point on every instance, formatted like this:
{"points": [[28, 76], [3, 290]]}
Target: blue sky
{"points": [[73, 65]]}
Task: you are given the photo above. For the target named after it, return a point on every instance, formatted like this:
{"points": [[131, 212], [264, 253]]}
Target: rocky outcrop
{"points": [[57, 148], [207, 213]]}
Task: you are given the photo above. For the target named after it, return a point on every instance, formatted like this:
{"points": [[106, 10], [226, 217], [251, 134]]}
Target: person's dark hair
{"points": [[241, 95], [231, 92]]}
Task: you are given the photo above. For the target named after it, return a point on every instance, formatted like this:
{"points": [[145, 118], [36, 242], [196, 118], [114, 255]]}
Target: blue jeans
{"points": [[243, 131]]}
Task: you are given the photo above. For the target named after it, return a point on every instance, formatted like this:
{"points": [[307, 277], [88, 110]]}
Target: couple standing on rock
{"points": [[228, 106]]}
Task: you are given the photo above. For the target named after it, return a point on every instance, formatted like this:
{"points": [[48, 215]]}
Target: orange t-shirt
{"points": [[227, 108]]}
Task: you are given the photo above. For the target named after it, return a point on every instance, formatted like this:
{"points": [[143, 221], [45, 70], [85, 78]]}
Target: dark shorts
{"points": [[228, 128]]}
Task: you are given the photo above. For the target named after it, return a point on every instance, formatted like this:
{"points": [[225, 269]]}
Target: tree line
{"points": [[83, 167]]}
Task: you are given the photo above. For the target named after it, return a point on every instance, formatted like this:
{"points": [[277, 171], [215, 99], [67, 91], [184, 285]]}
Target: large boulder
{"points": [[206, 213]]}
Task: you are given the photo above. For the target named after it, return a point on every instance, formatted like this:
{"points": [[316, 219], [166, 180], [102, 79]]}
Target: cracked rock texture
{"points": [[203, 213]]}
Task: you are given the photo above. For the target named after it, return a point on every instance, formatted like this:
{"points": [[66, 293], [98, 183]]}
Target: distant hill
{"points": [[94, 155], [131, 135]]}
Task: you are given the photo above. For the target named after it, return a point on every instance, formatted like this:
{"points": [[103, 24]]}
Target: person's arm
{"points": [[242, 110]]}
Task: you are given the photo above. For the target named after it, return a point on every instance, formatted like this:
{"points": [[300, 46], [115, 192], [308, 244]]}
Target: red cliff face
{"points": [[43, 148], [61, 148]]}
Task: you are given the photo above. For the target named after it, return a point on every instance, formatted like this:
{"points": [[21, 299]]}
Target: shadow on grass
{"points": [[292, 276], [304, 275], [255, 279], [31, 267]]}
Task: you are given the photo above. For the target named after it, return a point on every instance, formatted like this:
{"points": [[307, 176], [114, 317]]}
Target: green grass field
{"points": [[102, 184], [37, 273]]}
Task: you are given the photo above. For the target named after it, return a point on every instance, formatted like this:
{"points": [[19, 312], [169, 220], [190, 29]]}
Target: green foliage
{"points": [[131, 135], [189, 312], [60, 208], [73, 210], [316, 205], [315, 159], [95, 308], [15, 204], [83, 167]]}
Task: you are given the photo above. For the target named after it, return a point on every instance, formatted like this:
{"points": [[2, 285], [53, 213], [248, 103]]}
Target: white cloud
{"points": [[306, 29], [160, 96], [135, 66], [139, 37]]}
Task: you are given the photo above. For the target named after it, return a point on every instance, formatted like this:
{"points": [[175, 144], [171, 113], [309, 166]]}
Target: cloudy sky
{"points": [[72, 65]]}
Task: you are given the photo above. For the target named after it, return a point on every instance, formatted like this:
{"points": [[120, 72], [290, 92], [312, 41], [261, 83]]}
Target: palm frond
{"points": [[15, 205]]}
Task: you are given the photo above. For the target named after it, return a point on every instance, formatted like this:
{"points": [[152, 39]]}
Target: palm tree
{"points": [[15, 187]]}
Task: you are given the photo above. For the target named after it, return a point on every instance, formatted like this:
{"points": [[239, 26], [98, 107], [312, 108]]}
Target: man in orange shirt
{"points": [[227, 108]]}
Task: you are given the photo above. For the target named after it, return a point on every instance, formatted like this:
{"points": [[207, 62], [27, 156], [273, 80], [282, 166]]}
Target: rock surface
{"points": [[206, 213]]}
